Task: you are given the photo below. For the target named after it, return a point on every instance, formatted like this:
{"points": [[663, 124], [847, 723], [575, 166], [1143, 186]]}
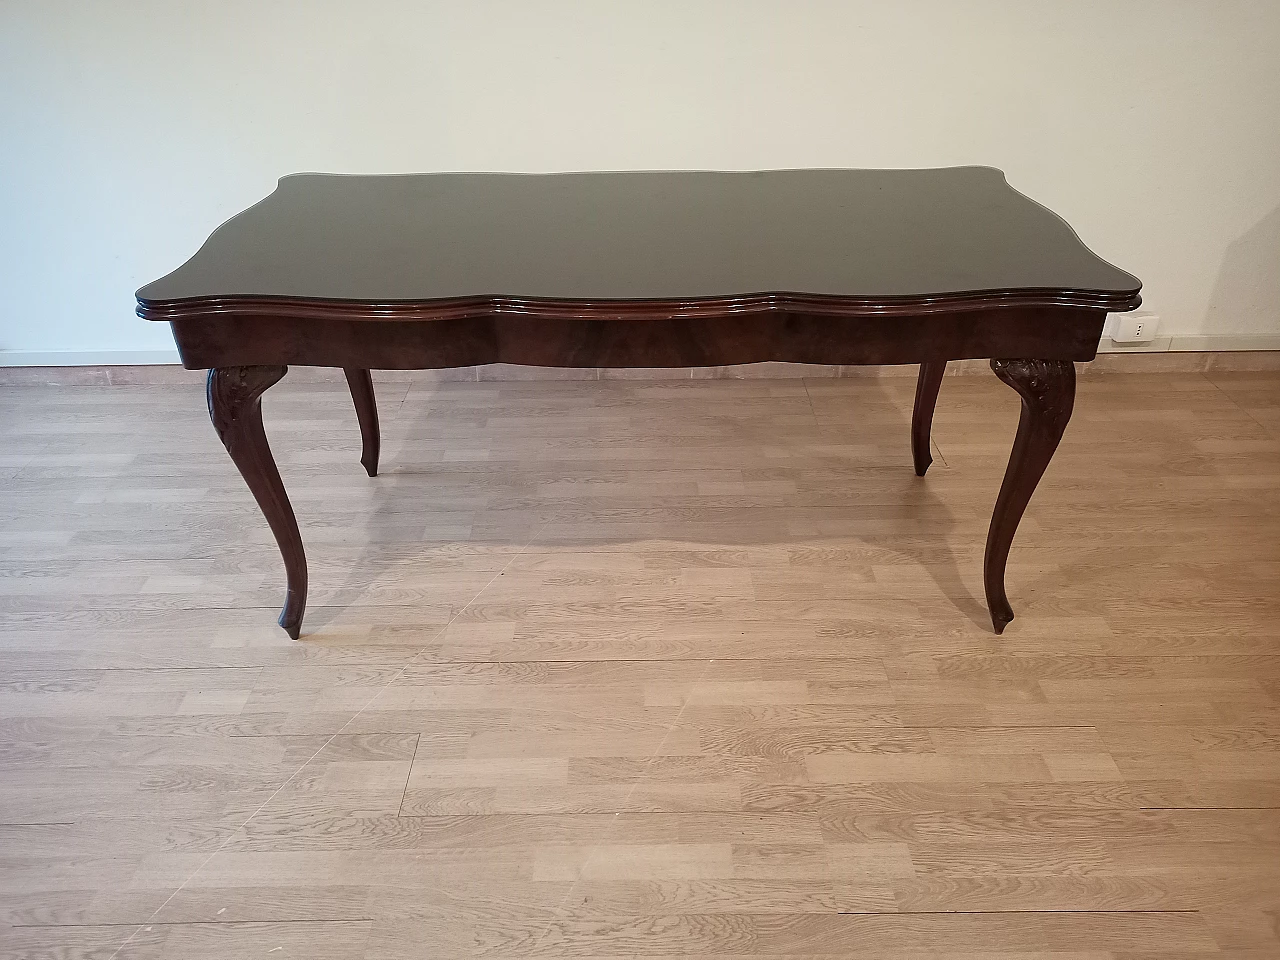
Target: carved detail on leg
{"points": [[234, 394], [1048, 391], [367, 413], [931, 372]]}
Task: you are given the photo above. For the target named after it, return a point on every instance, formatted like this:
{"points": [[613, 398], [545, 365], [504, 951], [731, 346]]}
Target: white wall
{"points": [[130, 128]]}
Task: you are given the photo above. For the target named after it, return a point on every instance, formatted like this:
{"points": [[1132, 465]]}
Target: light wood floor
{"points": [[642, 669]]}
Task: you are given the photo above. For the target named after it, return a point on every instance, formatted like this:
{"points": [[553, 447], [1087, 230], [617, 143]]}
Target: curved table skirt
{"points": [[234, 339]]}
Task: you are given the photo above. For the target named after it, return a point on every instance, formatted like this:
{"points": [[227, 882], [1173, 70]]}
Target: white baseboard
{"points": [[124, 358], [86, 358], [1224, 344], [1228, 343]]}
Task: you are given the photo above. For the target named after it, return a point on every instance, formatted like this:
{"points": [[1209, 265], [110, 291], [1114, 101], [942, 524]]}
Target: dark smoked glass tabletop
{"points": [[861, 234]]}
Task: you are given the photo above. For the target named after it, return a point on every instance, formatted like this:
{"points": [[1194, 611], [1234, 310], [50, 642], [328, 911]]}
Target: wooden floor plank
{"points": [[642, 669]]}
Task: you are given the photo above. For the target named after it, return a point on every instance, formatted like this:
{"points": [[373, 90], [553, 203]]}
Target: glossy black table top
{"points": [[864, 234]]}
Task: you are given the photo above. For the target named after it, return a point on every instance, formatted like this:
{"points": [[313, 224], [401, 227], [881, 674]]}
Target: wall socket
{"points": [[1134, 328]]}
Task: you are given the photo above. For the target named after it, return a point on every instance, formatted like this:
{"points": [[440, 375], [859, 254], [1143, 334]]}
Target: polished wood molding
{"points": [[234, 395], [473, 308], [1048, 391]]}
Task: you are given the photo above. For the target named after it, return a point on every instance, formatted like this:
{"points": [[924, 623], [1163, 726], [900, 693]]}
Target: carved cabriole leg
{"points": [[1048, 391], [931, 372], [236, 413], [367, 413]]}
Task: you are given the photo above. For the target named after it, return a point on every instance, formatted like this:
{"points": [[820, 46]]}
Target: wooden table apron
{"points": [[1033, 349], [641, 269]]}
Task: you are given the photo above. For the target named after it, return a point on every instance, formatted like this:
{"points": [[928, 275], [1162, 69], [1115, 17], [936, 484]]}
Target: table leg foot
{"points": [[234, 407], [361, 385], [927, 385], [1048, 390]]}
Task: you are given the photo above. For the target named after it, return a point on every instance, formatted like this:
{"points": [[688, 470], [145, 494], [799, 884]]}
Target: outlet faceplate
{"points": [[1135, 328]]}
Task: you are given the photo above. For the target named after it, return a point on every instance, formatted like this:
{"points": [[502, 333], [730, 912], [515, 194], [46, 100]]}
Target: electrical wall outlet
{"points": [[1135, 328]]}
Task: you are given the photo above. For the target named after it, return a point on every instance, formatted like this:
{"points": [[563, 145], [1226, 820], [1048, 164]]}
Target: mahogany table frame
{"points": [[1034, 340], [1033, 334]]}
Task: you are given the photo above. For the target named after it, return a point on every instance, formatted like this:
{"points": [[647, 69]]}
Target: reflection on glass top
{"points": [[641, 235]]}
